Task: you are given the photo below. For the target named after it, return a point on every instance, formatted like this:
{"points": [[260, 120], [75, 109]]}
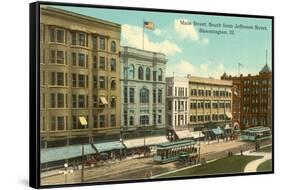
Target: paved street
{"points": [[139, 168]]}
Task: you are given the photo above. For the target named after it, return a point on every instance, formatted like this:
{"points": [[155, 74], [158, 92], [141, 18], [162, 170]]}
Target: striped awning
{"points": [[63, 153], [229, 115], [83, 121], [148, 141], [108, 146], [217, 131], [197, 134], [183, 134]]}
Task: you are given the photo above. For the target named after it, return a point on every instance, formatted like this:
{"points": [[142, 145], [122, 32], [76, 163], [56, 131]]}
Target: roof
{"points": [[265, 69], [210, 81], [257, 129], [176, 143]]}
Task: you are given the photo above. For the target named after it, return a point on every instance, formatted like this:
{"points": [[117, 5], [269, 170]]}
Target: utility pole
{"points": [[82, 170], [239, 65]]}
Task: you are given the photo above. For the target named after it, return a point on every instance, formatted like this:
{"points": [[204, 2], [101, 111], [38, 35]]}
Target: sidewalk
{"points": [[252, 166]]}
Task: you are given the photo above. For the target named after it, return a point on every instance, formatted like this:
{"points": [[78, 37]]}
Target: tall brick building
{"points": [[252, 99]]}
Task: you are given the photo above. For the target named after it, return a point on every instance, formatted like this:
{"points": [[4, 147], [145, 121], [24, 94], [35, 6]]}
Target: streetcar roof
{"points": [[257, 129], [176, 144]]}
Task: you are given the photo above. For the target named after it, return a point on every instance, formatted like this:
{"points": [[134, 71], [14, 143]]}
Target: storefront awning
{"points": [[148, 141], [63, 153], [217, 131], [229, 115], [183, 134], [103, 100], [108, 146], [83, 121], [197, 134]]}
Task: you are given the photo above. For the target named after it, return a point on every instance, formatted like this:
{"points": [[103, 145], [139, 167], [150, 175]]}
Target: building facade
{"points": [[80, 78], [143, 93], [177, 106], [254, 98], [210, 103]]}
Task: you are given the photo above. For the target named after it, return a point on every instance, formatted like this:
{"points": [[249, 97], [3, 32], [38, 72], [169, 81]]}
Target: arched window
{"points": [[113, 46], [131, 72], [147, 74], [140, 73], [160, 73], [144, 95]]}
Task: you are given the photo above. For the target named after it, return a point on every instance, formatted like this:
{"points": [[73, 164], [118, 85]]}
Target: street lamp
{"points": [[121, 141]]}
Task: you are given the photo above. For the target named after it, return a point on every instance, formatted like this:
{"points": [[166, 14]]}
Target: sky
{"points": [[188, 50]]}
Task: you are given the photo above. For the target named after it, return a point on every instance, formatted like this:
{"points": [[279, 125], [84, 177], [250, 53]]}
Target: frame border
{"points": [[34, 93]]}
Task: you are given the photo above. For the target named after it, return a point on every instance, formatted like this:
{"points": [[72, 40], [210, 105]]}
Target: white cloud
{"points": [[186, 31], [133, 36], [184, 67], [204, 67]]}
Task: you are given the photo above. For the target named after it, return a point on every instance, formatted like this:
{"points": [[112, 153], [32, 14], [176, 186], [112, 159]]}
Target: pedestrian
{"points": [[241, 152]]}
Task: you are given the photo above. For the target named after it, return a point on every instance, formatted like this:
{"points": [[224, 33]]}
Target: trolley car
{"points": [[176, 151], [256, 134]]}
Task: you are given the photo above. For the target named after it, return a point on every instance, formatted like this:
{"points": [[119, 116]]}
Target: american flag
{"points": [[149, 25]]}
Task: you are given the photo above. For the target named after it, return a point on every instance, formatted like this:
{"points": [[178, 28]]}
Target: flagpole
{"points": [[143, 34]]}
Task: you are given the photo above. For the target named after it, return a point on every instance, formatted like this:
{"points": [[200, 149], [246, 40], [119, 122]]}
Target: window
{"points": [[113, 102], [159, 119], [125, 120], [102, 121], [113, 84], [170, 105], [73, 38], [131, 120], [95, 43], [160, 73], [144, 95], [82, 39], [95, 82], [131, 73], [60, 36], [102, 63], [60, 57], [140, 73], [132, 95], [144, 120], [159, 96], [102, 82], [81, 101], [53, 100], [74, 101], [81, 80], [154, 75], [74, 80], [112, 120], [95, 62], [113, 46], [154, 96], [113, 64], [52, 35], [60, 79], [60, 100], [73, 57], [125, 95], [102, 43], [170, 91], [81, 61], [60, 121], [147, 74]]}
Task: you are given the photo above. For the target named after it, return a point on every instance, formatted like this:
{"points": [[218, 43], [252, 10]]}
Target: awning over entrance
{"points": [[83, 121], [183, 134], [63, 153], [139, 142], [228, 115], [108, 146], [103, 100], [217, 131], [197, 134]]}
